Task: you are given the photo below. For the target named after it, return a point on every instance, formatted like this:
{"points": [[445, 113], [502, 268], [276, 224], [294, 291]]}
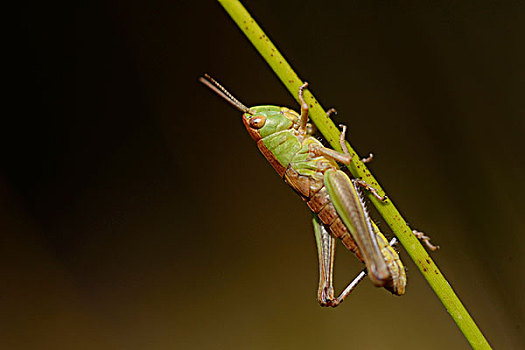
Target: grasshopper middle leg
{"points": [[343, 157], [368, 187]]}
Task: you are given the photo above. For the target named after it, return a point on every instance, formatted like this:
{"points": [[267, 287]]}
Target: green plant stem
{"points": [[391, 215]]}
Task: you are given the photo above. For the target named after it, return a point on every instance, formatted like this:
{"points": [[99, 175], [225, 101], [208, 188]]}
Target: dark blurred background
{"points": [[136, 213]]}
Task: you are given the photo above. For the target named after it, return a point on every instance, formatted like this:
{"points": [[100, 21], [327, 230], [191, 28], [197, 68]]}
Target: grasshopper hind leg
{"points": [[326, 251]]}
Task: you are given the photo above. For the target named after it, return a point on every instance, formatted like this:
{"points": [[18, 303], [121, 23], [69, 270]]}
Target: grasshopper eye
{"points": [[257, 122]]}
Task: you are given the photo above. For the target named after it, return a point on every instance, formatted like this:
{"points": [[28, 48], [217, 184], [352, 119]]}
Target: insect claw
{"points": [[330, 112], [368, 159], [425, 239]]}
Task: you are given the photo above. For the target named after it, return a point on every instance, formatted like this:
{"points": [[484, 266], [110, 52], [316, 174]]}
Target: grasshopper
{"points": [[283, 137]]}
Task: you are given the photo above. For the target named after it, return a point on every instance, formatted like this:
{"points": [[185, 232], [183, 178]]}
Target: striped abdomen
{"points": [[313, 191]]}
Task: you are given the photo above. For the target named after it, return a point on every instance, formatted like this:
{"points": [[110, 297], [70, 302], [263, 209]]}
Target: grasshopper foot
{"points": [[330, 112], [368, 159], [425, 239]]}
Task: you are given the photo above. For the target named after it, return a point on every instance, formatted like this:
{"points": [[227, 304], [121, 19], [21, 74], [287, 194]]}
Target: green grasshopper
{"points": [[335, 199]]}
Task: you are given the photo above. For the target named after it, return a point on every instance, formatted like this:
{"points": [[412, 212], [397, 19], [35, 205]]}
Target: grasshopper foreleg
{"points": [[304, 111], [311, 129]]}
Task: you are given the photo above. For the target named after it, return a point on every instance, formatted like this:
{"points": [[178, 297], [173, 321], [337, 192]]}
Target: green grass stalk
{"points": [[388, 211]]}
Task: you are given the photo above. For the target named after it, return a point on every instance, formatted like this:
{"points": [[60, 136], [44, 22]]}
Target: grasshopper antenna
{"points": [[225, 94]]}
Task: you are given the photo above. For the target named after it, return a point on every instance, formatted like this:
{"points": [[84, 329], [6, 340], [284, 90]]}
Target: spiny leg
{"points": [[352, 285], [326, 250], [421, 236], [304, 110], [367, 186]]}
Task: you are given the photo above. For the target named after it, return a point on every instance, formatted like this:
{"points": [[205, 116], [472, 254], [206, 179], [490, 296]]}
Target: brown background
{"points": [[137, 214]]}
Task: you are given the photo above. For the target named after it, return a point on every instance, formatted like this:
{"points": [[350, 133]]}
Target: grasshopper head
{"points": [[260, 121]]}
